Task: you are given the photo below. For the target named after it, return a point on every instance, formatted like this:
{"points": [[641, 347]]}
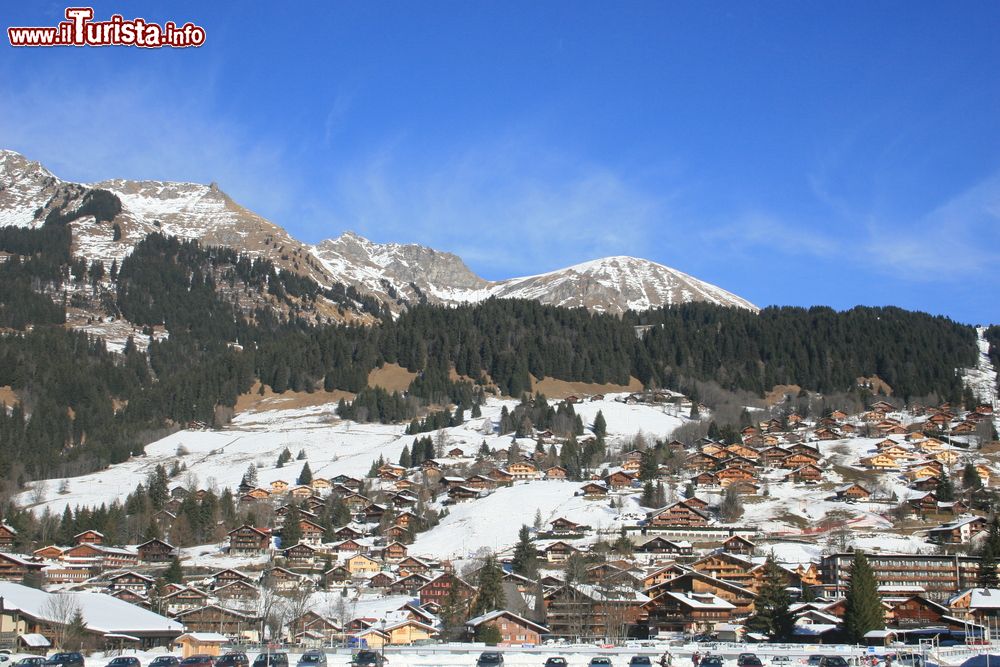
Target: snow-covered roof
{"points": [[700, 600], [985, 598], [35, 640], [101, 612]]}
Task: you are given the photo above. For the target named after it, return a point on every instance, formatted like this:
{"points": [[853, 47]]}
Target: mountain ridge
{"points": [[398, 274]]}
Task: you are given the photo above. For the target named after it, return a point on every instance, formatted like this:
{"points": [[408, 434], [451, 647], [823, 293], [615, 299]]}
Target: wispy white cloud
{"points": [[505, 206], [957, 240], [760, 231], [142, 129]]}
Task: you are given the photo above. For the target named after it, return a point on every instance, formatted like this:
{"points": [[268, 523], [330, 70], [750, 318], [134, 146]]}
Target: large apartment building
{"points": [[940, 575]]}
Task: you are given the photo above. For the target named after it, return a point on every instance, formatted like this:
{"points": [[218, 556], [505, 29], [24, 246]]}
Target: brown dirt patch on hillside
{"points": [[553, 388], [391, 377], [8, 396], [779, 391], [252, 401]]}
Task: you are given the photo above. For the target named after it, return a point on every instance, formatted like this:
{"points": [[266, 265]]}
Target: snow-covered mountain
{"points": [[612, 284], [398, 274]]}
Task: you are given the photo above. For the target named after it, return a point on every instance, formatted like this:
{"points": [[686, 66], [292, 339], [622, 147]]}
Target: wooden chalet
{"points": [[156, 551], [678, 514], [247, 540]]}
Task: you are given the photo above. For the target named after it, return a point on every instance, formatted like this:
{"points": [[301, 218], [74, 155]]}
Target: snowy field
{"points": [[332, 446]]}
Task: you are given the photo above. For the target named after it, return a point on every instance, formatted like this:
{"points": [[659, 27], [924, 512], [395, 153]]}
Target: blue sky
{"points": [[792, 152]]}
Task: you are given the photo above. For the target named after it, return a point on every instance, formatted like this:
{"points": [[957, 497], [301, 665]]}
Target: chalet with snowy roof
{"points": [[394, 552], [300, 555], [606, 607], [89, 537], [852, 491], [279, 487], [562, 525], [480, 483], [408, 585], [374, 512], [360, 564], [737, 544], [674, 612], [797, 459], [678, 514], [132, 581], [690, 581], [457, 494], [213, 618], [728, 476], [247, 540], [337, 573], [155, 551], [594, 489], [237, 591], [523, 470], [556, 473], [559, 552], [501, 477], [809, 474], [7, 536], [50, 552], [514, 630], [437, 589], [411, 565], [660, 546], [619, 480], [960, 531], [16, 568], [184, 599], [915, 611]]}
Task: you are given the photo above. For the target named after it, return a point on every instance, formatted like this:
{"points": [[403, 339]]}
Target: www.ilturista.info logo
{"points": [[79, 29]]}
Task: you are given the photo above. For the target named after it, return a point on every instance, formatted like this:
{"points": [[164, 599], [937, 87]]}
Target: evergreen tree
{"points": [[174, 573], [489, 596], [970, 478], [772, 615], [306, 476], [291, 530], [76, 632], [404, 457], [525, 560], [989, 554], [945, 491], [862, 607], [454, 612], [489, 634], [600, 425], [648, 498]]}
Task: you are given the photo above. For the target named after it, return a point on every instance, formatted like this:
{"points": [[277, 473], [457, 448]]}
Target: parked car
{"points": [[74, 659], [30, 661], [600, 661], [813, 660], [712, 661], [312, 658], [640, 661], [556, 661], [489, 659], [198, 660], [124, 661], [232, 659], [833, 661], [268, 659], [748, 660], [368, 659], [781, 660], [165, 661]]}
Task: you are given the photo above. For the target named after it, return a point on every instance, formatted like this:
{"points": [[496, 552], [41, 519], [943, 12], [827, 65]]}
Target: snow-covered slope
{"points": [[396, 273]]}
